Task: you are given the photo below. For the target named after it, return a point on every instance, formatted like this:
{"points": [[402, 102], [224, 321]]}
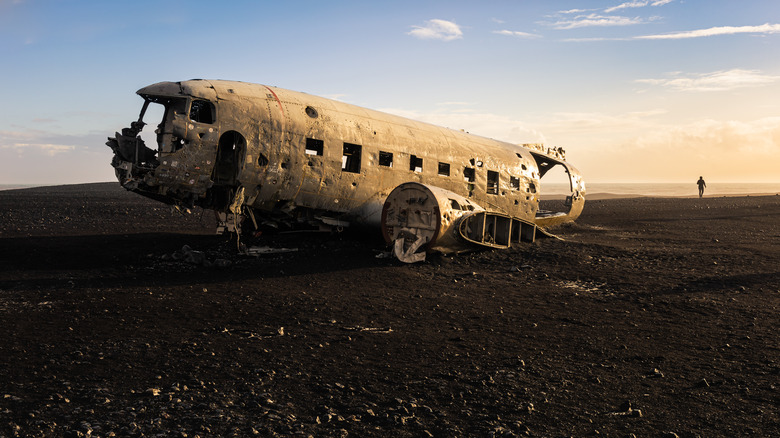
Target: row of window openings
{"points": [[350, 162]]}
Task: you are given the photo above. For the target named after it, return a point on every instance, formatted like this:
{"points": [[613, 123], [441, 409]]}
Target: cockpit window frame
{"points": [[200, 110]]}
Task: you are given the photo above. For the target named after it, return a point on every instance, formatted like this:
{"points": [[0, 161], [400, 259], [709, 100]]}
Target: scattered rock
{"points": [[145, 354]]}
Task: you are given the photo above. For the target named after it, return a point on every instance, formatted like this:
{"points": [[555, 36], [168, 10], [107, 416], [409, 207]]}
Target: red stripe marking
{"points": [[277, 99]]}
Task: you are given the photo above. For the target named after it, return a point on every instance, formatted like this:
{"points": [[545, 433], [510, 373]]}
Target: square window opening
{"points": [[314, 146], [415, 163], [444, 169], [469, 174], [492, 182], [350, 160], [202, 111], [385, 159]]}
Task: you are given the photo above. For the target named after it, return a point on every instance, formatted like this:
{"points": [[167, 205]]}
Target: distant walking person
{"points": [[702, 185]]}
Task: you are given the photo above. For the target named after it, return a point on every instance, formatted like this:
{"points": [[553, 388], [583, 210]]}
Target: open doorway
{"points": [[231, 151]]}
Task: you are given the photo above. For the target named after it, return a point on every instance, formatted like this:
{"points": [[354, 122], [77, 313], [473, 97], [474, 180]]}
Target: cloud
{"points": [[437, 30], [453, 103], [48, 149], [515, 33], [596, 123], [717, 81], [743, 151], [594, 19], [591, 20], [37, 141], [637, 4], [50, 144], [637, 147], [713, 31], [593, 39], [575, 11], [489, 125], [631, 4], [760, 137], [44, 120], [38, 157]]}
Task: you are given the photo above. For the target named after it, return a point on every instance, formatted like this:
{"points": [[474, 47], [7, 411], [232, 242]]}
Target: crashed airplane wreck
{"points": [[273, 157]]}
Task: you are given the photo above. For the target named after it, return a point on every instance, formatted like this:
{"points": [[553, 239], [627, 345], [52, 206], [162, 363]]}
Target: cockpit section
{"points": [[178, 169], [180, 117]]}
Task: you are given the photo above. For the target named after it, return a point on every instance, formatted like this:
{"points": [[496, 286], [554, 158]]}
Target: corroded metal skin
{"points": [[281, 157]]}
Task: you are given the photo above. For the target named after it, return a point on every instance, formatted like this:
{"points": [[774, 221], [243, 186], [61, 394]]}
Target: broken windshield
{"points": [[164, 112], [202, 111]]}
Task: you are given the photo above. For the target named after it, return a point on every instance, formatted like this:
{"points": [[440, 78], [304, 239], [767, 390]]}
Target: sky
{"points": [[634, 91]]}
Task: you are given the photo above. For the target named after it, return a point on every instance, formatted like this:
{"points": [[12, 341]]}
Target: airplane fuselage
{"points": [[288, 152]]}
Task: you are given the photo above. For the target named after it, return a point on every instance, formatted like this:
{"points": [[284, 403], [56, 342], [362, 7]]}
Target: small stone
{"points": [[222, 263], [195, 257]]}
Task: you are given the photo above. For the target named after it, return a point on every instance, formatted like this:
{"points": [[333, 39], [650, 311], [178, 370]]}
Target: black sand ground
{"points": [[655, 317]]}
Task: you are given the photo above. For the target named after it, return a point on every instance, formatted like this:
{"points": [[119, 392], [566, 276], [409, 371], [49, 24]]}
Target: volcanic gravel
{"points": [[651, 318]]}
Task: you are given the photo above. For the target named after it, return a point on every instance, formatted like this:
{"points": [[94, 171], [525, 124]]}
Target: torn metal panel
{"points": [[284, 158]]}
